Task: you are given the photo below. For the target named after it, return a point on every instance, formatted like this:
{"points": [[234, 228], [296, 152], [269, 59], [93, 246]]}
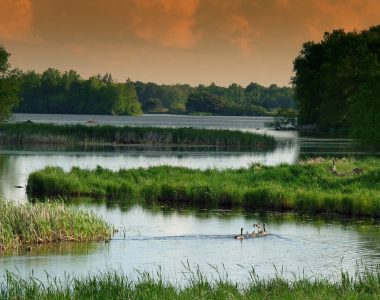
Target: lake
{"points": [[165, 237]]}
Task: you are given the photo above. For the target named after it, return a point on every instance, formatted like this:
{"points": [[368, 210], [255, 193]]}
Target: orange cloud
{"points": [[170, 23], [242, 34], [16, 18], [347, 14]]}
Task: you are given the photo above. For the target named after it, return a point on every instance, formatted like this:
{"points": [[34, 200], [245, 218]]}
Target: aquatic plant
{"points": [[309, 186], [116, 285], [34, 133], [29, 224]]}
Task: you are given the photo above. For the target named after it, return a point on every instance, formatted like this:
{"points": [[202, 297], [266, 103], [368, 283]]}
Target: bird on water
{"points": [[241, 236]]}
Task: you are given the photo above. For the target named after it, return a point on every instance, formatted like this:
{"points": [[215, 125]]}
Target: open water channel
{"points": [[169, 238]]}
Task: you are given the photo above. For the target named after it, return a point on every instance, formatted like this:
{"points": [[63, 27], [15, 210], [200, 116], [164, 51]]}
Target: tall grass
{"points": [[33, 133], [113, 285], [308, 186], [29, 224]]}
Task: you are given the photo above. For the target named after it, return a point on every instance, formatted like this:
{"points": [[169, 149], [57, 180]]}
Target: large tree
{"points": [[337, 83], [9, 85]]}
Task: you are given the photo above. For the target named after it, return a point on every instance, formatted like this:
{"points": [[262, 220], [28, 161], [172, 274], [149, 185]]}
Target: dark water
{"points": [[149, 238]]}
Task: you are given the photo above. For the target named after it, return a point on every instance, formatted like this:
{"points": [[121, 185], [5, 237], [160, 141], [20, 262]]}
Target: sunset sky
{"points": [[174, 41]]}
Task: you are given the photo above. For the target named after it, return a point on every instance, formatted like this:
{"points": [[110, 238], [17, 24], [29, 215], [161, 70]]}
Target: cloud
{"points": [[242, 34], [170, 23], [16, 18], [346, 14]]}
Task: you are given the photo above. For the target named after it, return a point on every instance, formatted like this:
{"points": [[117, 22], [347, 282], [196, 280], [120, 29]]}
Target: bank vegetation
{"points": [[352, 187]]}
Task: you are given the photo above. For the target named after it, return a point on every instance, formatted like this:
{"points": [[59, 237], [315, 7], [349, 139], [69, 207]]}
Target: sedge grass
{"points": [[29, 224], [34, 133], [305, 187], [115, 285]]}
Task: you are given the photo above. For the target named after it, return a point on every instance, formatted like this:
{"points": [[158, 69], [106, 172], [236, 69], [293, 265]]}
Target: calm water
{"points": [[168, 238]]}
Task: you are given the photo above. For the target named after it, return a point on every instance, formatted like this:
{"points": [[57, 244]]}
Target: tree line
{"points": [[253, 99], [337, 84], [56, 92], [67, 93]]}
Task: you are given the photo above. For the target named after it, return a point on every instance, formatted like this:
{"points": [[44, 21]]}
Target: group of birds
{"points": [[260, 232]]}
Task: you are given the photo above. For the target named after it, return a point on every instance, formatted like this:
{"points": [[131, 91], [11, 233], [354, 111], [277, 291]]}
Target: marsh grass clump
{"points": [[34, 133], [30, 224], [116, 285], [304, 187]]}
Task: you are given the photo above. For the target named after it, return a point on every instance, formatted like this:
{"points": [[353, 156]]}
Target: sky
{"points": [[174, 41]]}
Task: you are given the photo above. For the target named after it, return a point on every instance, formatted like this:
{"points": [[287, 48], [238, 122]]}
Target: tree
{"points": [[365, 113], [154, 105], [337, 82], [133, 106], [9, 85], [205, 102]]}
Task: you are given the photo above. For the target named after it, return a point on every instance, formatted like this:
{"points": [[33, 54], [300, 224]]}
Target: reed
{"points": [[34, 133], [30, 224], [113, 285], [308, 186]]}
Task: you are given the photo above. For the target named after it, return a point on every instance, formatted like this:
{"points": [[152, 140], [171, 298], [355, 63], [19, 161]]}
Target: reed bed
{"points": [[114, 285], [308, 186], [30, 224], [34, 133]]}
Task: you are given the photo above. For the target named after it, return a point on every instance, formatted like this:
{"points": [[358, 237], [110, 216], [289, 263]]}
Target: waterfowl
{"points": [[241, 236]]}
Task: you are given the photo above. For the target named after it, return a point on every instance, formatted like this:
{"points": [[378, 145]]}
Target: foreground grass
{"points": [[29, 224], [308, 186], [33, 133], [113, 285]]}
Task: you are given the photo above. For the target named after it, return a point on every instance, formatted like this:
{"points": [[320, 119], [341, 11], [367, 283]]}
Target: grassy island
{"points": [[33, 133], [309, 186], [113, 285], [30, 224]]}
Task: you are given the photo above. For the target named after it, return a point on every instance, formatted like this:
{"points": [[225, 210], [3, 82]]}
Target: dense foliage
{"points": [[307, 187], [337, 83], [31, 224], [233, 100], [34, 133], [9, 85], [116, 285], [56, 92]]}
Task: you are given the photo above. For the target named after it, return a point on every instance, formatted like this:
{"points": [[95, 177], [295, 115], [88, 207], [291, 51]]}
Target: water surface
{"points": [[169, 238]]}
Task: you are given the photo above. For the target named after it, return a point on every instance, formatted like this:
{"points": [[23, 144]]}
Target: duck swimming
{"points": [[241, 236]]}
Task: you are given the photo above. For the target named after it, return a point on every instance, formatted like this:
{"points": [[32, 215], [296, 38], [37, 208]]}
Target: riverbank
{"points": [[30, 224], [309, 186], [37, 133], [113, 285]]}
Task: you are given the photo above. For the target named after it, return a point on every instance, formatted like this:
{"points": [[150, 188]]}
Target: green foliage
{"points": [[233, 100], [284, 119], [308, 187], [29, 224], [365, 112], [56, 92], [205, 102], [154, 105], [34, 133], [9, 86], [338, 77], [115, 285]]}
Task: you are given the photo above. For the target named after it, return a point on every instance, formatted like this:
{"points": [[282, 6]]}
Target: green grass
{"points": [[33, 133], [113, 285], [30, 224], [305, 187]]}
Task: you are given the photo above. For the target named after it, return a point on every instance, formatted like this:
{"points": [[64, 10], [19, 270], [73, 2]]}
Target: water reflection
{"points": [[167, 237]]}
